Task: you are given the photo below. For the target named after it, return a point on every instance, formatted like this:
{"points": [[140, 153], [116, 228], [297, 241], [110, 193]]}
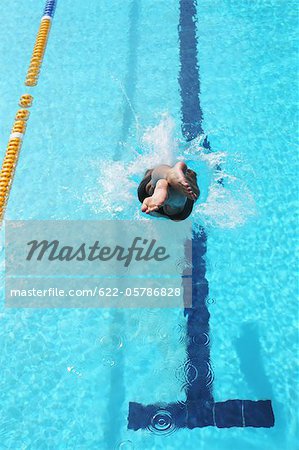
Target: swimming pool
{"points": [[108, 104]]}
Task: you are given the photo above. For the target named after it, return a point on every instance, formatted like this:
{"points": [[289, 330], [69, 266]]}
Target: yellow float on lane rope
{"points": [[19, 127], [38, 51], [10, 160], [26, 101]]}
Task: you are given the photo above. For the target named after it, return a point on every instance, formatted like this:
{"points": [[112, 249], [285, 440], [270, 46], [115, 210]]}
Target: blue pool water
{"points": [[109, 104]]}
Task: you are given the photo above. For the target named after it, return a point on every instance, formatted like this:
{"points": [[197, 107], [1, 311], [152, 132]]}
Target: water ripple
{"points": [[162, 423], [187, 373], [111, 342], [202, 339], [210, 374]]}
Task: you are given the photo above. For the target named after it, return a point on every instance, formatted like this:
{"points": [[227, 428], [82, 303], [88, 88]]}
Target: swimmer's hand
{"points": [[159, 197]]}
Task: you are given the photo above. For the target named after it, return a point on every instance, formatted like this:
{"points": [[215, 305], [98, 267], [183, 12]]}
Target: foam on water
{"points": [[227, 205], [157, 146]]}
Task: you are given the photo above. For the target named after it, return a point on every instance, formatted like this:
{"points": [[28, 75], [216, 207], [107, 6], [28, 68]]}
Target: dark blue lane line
{"points": [[198, 350], [199, 409], [189, 77], [131, 77], [189, 80]]}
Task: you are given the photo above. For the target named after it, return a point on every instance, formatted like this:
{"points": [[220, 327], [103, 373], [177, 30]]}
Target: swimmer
{"points": [[169, 191]]}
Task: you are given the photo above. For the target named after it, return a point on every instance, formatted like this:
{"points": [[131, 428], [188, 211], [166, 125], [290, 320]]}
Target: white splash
{"points": [[160, 144], [226, 205], [113, 191], [157, 146], [229, 203]]}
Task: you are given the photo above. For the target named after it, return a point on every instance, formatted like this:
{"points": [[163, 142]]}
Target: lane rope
{"points": [[19, 127]]}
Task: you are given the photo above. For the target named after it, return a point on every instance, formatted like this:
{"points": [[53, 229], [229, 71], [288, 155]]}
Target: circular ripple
{"points": [[187, 373], [203, 339], [181, 393], [113, 342], [191, 373], [210, 374], [181, 331], [162, 423]]}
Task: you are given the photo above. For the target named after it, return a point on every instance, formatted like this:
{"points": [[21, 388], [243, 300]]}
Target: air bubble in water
{"points": [[125, 445], [108, 361], [74, 371]]}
